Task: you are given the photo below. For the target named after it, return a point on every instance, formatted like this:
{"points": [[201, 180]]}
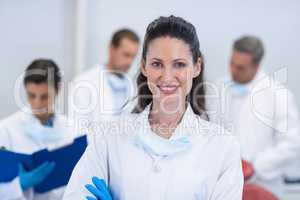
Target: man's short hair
{"points": [[251, 45], [124, 33], [43, 71]]}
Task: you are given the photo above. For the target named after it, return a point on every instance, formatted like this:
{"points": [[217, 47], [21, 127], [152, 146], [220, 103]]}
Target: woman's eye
{"points": [[179, 64], [156, 64]]}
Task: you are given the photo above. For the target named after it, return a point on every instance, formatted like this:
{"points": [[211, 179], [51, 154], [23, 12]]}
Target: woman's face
{"points": [[170, 69]]}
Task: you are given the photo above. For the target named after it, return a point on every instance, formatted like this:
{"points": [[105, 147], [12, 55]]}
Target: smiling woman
{"points": [[185, 61], [163, 150], [171, 73]]}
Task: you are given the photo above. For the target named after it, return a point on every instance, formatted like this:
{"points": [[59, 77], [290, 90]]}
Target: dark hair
{"points": [[174, 27], [252, 45], [124, 33], [43, 71]]}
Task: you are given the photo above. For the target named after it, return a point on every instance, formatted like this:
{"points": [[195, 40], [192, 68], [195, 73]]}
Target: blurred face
{"points": [[169, 69], [123, 56], [242, 68], [41, 98]]}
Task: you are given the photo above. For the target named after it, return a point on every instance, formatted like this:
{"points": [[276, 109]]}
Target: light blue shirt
{"points": [[119, 86]]}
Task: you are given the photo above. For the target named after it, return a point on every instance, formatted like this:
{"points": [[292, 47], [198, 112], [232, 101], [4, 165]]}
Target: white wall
{"points": [[218, 23], [32, 29]]}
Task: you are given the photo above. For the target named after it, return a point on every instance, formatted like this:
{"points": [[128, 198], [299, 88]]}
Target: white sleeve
{"points": [[5, 141], [94, 162], [13, 191], [231, 180], [272, 162]]}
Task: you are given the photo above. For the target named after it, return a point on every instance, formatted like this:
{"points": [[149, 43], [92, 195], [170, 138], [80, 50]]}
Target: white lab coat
{"points": [[209, 169], [266, 123], [14, 138], [91, 99]]}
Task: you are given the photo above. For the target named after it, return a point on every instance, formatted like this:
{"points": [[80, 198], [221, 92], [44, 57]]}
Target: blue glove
{"points": [[34, 177], [101, 191]]}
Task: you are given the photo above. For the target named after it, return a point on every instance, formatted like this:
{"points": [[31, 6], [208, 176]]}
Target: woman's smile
{"points": [[168, 89]]}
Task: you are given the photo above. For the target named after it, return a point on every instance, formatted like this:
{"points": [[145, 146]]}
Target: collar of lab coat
{"points": [[59, 122], [187, 127], [28, 115], [186, 134]]}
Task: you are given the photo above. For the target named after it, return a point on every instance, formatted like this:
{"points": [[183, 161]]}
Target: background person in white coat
{"points": [[103, 90], [33, 129], [261, 112], [163, 150]]}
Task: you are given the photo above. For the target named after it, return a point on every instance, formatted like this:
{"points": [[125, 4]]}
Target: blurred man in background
{"points": [[261, 112], [34, 128], [102, 91]]}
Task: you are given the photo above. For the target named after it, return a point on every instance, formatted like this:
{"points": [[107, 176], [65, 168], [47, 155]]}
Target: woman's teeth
{"points": [[168, 89]]}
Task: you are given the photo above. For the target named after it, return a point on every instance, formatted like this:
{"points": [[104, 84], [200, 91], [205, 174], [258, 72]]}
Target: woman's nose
{"points": [[167, 74]]}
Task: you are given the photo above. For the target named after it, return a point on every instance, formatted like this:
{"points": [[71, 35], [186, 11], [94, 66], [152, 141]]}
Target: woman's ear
{"points": [[143, 68], [197, 68]]}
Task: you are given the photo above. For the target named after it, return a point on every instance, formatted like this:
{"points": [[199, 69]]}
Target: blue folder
{"points": [[9, 164], [65, 158]]}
